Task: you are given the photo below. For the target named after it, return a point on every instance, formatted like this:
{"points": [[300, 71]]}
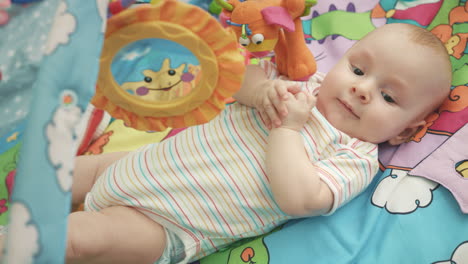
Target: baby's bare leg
{"points": [[87, 169], [114, 235]]}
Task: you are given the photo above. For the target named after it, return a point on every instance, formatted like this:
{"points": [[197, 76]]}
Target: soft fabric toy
{"points": [[265, 25], [166, 65]]}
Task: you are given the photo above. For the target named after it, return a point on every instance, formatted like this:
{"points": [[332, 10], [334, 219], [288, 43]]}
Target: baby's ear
{"points": [[407, 133]]}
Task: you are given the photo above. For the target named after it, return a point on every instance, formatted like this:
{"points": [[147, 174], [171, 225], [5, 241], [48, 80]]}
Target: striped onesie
{"points": [[208, 185]]}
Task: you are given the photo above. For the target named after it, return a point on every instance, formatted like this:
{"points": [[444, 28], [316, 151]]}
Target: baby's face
{"points": [[380, 87]]}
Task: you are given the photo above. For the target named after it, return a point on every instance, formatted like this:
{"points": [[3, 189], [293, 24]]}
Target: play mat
{"points": [[414, 211]]}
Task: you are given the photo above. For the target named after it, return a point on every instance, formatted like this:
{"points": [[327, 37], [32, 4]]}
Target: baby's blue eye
{"points": [[358, 71], [387, 98]]}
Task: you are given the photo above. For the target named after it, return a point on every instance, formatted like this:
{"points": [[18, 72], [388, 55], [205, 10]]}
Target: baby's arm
{"points": [[254, 77], [266, 95], [87, 169], [296, 186]]}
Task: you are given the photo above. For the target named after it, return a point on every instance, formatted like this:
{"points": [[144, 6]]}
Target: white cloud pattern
{"points": [[62, 137], [64, 25], [400, 193], [102, 9], [459, 256], [24, 245]]}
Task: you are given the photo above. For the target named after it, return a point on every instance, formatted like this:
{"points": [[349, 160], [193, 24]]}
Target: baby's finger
{"points": [[280, 89], [311, 99], [265, 119], [294, 88], [281, 107], [271, 113], [301, 97], [278, 102]]}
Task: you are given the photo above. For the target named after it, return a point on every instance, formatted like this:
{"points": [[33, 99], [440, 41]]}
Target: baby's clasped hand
{"points": [[298, 107], [271, 100]]}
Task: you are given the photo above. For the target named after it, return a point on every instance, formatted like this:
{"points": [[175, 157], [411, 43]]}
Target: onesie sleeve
{"points": [[349, 170]]}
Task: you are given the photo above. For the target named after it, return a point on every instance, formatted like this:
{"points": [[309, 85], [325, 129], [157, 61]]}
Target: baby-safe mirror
{"points": [[156, 70], [169, 65]]}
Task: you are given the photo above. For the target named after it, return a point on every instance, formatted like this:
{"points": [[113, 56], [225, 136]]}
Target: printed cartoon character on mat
{"points": [[462, 168], [163, 85], [254, 251], [455, 40], [10, 168], [9, 181], [454, 105], [8, 161]]}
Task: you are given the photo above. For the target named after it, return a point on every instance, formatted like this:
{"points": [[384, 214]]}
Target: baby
{"points": [[280, 153]]}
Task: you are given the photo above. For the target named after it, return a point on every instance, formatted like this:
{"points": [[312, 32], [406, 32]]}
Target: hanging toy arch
{"points": [[184, 67]]}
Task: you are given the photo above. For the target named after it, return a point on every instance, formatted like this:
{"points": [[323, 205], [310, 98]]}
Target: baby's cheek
{"points": [[377, 129], [390, 130]]}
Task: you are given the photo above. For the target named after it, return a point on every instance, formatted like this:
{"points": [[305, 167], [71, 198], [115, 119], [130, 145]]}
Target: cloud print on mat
{"points": [[60, 132], [24, 245], [64, 25], [403, 194], [459, 255], [102, 9]]}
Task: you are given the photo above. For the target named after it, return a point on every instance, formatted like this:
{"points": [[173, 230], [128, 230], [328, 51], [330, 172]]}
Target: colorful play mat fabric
{"points": [[414, 211]]}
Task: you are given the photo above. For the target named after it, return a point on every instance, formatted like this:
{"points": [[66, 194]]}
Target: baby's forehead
{"points": [[385, 39], [398, 49], [409, 61], [408, 36]]}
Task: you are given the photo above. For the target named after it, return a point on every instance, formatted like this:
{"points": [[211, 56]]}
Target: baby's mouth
{"points": [[348, 108]]}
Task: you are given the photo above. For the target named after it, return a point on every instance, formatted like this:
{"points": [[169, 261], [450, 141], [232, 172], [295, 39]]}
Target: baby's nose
{"points": [[362, 92]]}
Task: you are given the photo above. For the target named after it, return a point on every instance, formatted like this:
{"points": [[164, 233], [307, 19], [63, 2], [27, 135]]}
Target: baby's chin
{"points": [[366, 135], [358, 134], [351, 131], [372, 138]]}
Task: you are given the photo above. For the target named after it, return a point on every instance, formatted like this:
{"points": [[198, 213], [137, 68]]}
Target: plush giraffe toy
{"points": [[266, 25]]}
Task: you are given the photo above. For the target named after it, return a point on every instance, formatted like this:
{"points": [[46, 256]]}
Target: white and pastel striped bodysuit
{"points": [[208, 185]]}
